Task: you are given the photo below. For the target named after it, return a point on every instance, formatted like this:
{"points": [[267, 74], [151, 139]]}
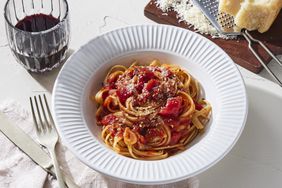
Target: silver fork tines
{"points": [[45, 130]]}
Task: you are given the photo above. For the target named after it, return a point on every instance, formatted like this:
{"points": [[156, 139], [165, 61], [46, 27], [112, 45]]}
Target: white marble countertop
{"points": [[88, 19]]}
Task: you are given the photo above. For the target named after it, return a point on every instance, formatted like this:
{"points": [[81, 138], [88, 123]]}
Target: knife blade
{"points": [[30, 147]]}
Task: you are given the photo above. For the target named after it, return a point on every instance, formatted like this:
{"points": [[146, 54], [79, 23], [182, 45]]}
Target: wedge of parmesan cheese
{"points": [[258, 15], [252, 14], [230, 6]]}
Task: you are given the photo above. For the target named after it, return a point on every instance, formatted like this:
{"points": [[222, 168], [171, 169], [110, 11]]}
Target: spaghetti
{"points": [[150, 112]]}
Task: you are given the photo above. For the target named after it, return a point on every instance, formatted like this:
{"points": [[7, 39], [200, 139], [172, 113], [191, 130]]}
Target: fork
{"points": [[46, 131]]}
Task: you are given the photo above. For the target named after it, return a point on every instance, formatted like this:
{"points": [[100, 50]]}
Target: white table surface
{"points": [[90, 18]]}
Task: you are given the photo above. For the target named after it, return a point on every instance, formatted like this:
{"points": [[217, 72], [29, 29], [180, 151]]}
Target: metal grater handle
{"points": [[224, 23], [250, 40], [264, 47]]}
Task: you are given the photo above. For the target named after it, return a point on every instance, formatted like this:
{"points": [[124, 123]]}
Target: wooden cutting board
{"points": [[237, 49]]}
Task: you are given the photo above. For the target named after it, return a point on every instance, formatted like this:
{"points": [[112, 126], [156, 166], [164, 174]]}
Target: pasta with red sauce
{"points": [[150, 112]]}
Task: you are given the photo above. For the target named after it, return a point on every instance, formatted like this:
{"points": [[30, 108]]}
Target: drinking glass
{"points": [[38, 32]]}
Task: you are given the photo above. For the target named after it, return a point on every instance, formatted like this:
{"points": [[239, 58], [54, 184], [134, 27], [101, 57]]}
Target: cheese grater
{"points": [[224, 24]]}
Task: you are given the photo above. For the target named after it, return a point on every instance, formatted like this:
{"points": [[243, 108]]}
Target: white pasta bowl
{"points": [[83, 73]]}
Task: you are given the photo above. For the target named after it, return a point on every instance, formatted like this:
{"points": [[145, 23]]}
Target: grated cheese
{"points": [[165, 5], [191, 15]]}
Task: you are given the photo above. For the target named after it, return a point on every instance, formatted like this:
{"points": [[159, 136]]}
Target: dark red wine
{"points": [[40, 52], [37, 22]]}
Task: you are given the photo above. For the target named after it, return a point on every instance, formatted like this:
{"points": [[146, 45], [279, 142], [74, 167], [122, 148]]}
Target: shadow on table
{"points": [[47, 79], [256, 159], [275, 67]]}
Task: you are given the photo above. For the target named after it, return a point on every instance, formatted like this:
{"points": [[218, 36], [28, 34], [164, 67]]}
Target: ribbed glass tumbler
{"points": [[38, 32]]}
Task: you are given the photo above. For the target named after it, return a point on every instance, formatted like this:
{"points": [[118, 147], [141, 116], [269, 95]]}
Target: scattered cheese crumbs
{"points": [[165, 5], [192, 15]]}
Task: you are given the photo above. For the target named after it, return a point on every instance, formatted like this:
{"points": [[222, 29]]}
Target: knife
{"points": [[30, 147]]}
